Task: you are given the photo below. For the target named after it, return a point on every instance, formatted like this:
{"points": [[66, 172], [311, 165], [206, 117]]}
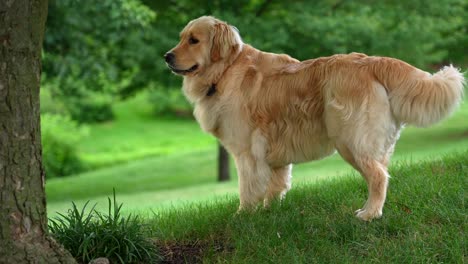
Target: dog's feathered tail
{"points": [[417, 97]]}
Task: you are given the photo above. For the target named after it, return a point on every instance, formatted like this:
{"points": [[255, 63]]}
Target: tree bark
{"points": [[23, 220], [223, 164]]}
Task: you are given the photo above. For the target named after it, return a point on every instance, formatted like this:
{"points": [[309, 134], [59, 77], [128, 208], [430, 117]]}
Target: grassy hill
{"points": [[424, 222]]}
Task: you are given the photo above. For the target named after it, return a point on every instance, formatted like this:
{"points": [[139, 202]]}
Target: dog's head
{"points": [[204, 42]]}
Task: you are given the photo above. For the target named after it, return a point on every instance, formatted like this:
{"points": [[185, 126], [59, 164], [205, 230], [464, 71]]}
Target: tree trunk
{"points": [[223, 164], [23, 220]]}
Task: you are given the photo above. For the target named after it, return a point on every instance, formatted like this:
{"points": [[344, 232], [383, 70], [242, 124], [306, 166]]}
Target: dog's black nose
{"points": [[169, 57]]}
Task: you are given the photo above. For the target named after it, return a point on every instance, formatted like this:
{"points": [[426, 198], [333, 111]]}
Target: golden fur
{"points": [[271, 110]]}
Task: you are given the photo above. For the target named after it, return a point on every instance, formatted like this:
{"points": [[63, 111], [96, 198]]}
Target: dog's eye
{"points": [[193, 40]]}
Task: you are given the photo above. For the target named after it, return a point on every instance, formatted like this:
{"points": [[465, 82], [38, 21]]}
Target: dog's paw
{"points": [[367, 214], [241, 210], [247, 209], [267, 202]]}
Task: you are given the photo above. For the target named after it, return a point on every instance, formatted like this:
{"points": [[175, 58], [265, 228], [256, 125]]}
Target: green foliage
{"points": [[49, 103], [97, 107], [95, 52], [89, 235], [414, 31], [60, 139], [455, 41], [171, 101]]}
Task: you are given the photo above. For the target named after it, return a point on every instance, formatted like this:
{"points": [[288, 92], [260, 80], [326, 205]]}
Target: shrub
{"points": [[60, 138], [50, 103], [79, 102], [90, 109], [90, 235], [169, 101]]}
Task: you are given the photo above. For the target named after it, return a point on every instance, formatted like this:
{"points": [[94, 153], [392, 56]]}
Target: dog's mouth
{"points": [[183, 72]]}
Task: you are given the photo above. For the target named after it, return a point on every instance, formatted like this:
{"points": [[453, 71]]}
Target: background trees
{"points": [[95, 54]]}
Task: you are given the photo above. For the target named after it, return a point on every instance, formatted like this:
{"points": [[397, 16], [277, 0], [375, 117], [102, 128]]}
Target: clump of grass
{"points": [[91, 234]]}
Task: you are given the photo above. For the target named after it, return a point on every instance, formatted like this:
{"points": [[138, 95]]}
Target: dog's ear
{"points": [[225, 41]]}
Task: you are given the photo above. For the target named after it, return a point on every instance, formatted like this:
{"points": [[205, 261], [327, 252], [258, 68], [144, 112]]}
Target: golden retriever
{"points": [[271, 110]]}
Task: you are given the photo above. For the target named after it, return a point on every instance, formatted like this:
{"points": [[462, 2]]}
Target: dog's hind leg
{"points": [[375, 171], [376, 176], [279, 185], [365, 133]]}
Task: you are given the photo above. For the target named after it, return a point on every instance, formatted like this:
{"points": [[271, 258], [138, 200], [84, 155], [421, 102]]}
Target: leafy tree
{"points": [[95, 52]]}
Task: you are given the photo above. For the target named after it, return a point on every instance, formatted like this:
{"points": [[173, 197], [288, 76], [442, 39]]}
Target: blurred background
{"points": [[113, 115]]}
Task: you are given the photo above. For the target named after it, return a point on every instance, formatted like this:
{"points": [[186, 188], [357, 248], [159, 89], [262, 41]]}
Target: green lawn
{"points": [[424, 222], [156, 163], [136, 134]]}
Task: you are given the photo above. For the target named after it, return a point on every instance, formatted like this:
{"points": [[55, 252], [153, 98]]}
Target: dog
{"points": [[271, 110]]}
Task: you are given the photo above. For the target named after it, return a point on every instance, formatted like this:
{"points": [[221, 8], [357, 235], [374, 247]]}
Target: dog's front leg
{"points": [[253, 171], [279, 185], [254, 176]]}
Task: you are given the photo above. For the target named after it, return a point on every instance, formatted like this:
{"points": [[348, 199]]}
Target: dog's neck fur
{"points": [[197, 87]]}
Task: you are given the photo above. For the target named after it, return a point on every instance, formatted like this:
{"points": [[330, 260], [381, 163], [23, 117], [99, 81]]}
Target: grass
{"points": [[137, 134], [424, 222], [156, 163]]}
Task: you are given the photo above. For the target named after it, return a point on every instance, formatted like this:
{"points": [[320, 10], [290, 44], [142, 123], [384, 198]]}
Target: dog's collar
{"points": [[212, 90]]}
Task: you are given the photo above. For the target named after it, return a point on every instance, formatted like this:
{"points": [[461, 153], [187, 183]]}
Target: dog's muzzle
{"points": [[170, 61]]}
